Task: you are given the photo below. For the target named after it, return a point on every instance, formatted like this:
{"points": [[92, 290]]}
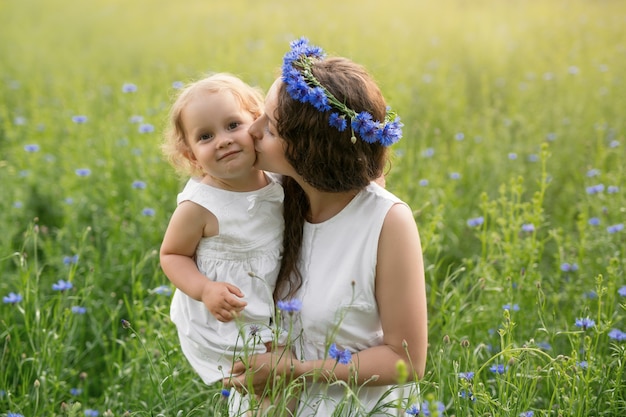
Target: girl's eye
{"points": [[268, 131], [233, 125], [206, 136]]}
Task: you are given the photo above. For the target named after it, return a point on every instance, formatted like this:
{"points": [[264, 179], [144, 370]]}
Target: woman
{"points": [[352, 250]]}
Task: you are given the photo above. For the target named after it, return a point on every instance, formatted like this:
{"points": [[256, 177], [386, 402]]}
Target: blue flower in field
{"points": [[91, 413], [428, 153], [622, 291], [19, 121], [341, 356], [466, 375], [528, 227], [76, 391], [467, 394], [125, 323], [129, 88], [585, 323], [289, 306], [148, 212], [583, 364], [15, 414], [18, 205], [79, 310], [162, 290], [498, 369], [12, 298], [476, 221], [136, 119], [455, 176], [177, 85], [413, 410], [225, 393], [514, 307], [83, 172], [594, 221], [423, 182], [527, 414], [567, 267], [79, 119], [615, 228], [533, 157], [459, 136], [31, 147], [512, 156], [544, 346], [612, 189], [146, 128], [593, 173], [337, 121], [614, 144], [551, 136], [617, 334], [70, 260], [592, 295], [62, 285], [139, 185], [595, 189]]}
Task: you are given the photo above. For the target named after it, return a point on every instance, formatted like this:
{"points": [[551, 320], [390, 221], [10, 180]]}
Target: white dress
{"points": [[246, 253], [338, 264]]}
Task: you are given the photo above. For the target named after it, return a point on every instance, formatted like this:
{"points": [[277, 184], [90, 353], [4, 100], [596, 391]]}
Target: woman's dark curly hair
{"points": [[323, 156]]}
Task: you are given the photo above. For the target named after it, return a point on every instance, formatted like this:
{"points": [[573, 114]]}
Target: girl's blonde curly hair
{"points": [[175, 146]]}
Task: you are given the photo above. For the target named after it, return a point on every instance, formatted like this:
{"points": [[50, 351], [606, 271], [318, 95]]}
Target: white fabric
{"points": [[338, 264], [246, 253]]}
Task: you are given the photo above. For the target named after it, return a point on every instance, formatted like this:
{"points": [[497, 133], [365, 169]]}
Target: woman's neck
{"points": [[326, 205]]}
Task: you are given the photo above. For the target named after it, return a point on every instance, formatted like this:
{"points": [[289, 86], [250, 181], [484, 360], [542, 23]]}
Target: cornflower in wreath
{"points": [[302, 86]]}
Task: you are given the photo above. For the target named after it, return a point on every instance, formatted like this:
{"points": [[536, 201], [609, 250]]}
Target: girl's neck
{"points": [[326, 205], [255, 180]]}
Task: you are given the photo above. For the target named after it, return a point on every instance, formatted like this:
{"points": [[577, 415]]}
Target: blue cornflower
{"points": [[391, 132], [617, 334], [528, 227], [476, 221], [225, 393], [544, 345], [459, 136], [594, 221], [135, 119], [591, 294], [62, 285], [162, 290], [612, 189], [69, 260], [83, 172], [583, 364], [498, 369], [622, 291], [91, 413], [146, 128], [615, 228], [533, 157], [19, 121], [177, 85], [337, 121], [467, 394], [76, 391], [12, 298], [423, 182], [149, 212], [593, 173], [413, 410], [15, 414], [527, 414], [79, 119], [361, 121], [455, 176], [614, 144], [129, 88], [18, 205], [31, 148], [514, 307], [551, 136], [289, 306], [595, 189], [512, 156], [428, 153], [79, 310], [567, 267], [139, 185], [585, 323], [466, 375], [318, 99], [341, 356]]}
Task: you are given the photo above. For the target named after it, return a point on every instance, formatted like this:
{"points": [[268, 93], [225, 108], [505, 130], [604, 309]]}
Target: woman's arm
{"points": [[188, 224], [401, 299]]}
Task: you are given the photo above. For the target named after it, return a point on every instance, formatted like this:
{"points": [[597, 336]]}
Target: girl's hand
{"points": [[223, 300]]}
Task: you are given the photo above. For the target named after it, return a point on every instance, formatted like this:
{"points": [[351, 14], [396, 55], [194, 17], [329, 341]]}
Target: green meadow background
{"points": [[513, 160]]}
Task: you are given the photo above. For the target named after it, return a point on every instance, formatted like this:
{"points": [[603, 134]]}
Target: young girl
{"points": [[352, 249], [223, 245]]}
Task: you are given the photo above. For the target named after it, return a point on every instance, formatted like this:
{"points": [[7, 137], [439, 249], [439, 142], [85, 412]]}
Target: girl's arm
{"points": [[401, 299], [188, 224]]}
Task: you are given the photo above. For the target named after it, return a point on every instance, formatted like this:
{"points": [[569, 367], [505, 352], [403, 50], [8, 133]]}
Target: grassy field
{"points": [[513, 159]]}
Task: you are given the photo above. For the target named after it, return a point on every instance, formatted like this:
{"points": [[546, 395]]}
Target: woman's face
{"points": [[270, 148]]}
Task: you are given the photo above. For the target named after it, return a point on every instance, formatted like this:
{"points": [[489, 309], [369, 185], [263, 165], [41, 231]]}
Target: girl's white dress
{"points": [[245, 253], [338, 264]]}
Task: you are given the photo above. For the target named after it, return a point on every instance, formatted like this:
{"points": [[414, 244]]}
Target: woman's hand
{"points": [[260, 371]]}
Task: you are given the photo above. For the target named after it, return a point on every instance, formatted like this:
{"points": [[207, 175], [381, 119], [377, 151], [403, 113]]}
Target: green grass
{"points": [[512, 109]]}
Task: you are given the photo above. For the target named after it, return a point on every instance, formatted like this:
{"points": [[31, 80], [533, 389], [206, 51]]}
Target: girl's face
{"points": [[216, 129], [269, 146]]}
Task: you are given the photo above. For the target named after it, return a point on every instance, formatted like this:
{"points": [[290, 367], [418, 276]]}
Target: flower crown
{"points": [[302, 86]]}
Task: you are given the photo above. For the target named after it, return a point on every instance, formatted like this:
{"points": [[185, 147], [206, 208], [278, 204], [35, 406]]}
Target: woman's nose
{"points": [[255, 130]]}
